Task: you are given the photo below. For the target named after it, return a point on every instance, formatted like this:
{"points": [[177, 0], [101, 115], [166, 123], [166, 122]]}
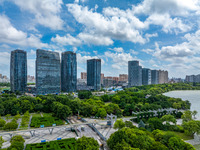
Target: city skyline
{"points": [[113, 30]]}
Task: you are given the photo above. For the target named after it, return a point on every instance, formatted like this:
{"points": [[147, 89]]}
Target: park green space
{"points": [[181, 135], [64, 144]]}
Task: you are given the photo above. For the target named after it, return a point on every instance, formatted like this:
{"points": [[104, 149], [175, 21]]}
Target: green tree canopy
{"points": [[119, 124], [87, 143]]}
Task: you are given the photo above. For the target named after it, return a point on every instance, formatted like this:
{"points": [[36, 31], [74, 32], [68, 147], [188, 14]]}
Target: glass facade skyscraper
{"points": [[134, 74], [47, 72], [146, 76], [18, 70], [68, 72], [94, 73], [154, 77]]}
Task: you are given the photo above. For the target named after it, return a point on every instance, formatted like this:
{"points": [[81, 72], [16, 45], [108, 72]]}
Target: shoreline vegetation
{"points": [[123, 103]]}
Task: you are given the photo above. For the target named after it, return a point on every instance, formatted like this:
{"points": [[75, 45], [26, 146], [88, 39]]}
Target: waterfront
{"points": [[191, 95]]}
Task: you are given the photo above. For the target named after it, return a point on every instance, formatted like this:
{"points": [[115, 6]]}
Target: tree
{"points": [[191, 127], [101, 113], [129, 124], [1, 141], [176, 143], [11, 125], [119, 124], [18, 138], [155, 123], [194, 113], [2, 122], [187, 116], [87, 143], [168, 119], [17, 142], [16, 145], [8, 116], [61, 111], [134, 137], [116, 99], [84, 94]]}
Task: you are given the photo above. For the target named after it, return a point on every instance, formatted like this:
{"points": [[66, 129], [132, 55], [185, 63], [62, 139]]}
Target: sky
{"points": [[161, 34]]}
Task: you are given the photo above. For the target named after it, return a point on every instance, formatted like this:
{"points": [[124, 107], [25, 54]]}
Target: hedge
{"points": [[46, 121], [65, 144]]}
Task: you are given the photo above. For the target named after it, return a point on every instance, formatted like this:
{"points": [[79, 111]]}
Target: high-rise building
{"points": [[102, 77], [134, 73], [123, 77], [18, 70], [68, 72], [94, 73], [163, 76], [0, 76], [146, 76], [47, 72], [83, 75], [154, 77]]}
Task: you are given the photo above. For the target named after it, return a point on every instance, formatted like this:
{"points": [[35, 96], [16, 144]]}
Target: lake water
{"points": [[192, 96]]}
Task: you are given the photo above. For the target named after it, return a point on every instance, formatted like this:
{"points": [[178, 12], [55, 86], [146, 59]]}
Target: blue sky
{"points": [[161, 34]]}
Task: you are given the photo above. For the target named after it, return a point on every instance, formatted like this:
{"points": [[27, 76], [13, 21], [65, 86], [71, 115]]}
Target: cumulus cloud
{"points": [[116, 24], [106, 25], [10, 35], [117, 49], [168, 24], [46, 12], [66, 40], [173, 7], [120, 60]]}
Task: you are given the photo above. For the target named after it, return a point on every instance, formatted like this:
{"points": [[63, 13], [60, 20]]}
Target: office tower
{"points": [[0, 76], [68, 72], [83, 75], [154, 77], [123, 77], [47, 72], [163, 76], [18, 71], [94, 73], [134, 73], [102, 77], [146, 76]]}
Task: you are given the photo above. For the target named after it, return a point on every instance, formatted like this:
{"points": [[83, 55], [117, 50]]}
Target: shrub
{"points": [[18, 138], [11, 125], [2, 122]]}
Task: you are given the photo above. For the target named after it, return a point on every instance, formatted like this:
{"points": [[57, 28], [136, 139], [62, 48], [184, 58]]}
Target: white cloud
{"points": [[168, 24], [120, 60], [66, 40], [46, 12], [173, 7], [10, 35], [117, 49], [133, 52], [148, 36], [94, 39], [106, 25]]}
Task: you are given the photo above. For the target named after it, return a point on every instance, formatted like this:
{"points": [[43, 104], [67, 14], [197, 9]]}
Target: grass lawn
{"points": [[36, 115], [181, 135], [197, 147], [47, 114]]}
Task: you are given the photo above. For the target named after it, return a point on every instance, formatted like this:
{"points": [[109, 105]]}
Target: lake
{"points": [[191, 95]]}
